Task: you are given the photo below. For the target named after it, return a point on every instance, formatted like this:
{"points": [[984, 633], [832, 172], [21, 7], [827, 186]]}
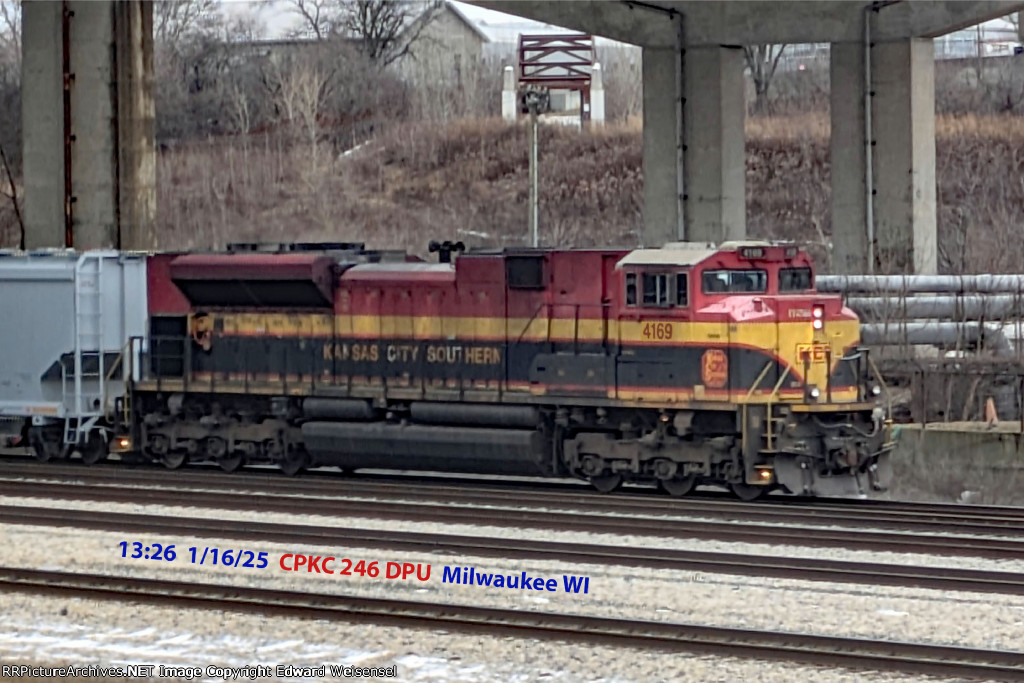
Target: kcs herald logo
{"points": [[714, 368]]}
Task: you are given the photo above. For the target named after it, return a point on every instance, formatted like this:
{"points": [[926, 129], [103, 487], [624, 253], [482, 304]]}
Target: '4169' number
{"points": [[660, 331]]}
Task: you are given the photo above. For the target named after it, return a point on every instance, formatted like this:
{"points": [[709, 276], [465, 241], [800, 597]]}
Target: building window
{"points": [[631, 289]]}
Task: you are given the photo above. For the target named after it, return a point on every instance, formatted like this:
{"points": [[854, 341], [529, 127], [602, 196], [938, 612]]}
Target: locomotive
{"points": [[677, 366]]}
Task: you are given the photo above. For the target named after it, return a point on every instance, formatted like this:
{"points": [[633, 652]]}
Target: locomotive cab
{"points": [[750, 334]]}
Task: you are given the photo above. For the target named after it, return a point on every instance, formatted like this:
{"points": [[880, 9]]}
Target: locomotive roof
{"points": [[685, 253], [394, 272], [672, 254]]}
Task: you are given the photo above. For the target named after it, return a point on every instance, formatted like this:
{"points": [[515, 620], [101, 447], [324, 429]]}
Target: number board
{"points": [[658, 331]]}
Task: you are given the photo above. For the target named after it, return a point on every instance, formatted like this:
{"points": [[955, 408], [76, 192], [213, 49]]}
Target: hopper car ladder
{"points": [[85, 403]]}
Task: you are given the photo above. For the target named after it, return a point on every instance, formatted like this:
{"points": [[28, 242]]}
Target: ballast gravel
{"points": [[973, 620], [627, 540], [82, 632], [977, 620]]}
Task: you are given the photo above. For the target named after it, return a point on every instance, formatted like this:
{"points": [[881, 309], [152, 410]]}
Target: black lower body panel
{"points": [[421, 447]]}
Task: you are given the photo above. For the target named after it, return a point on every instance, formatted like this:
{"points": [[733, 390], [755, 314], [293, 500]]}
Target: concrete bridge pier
{"points": [[694, 159], [900, 233], [88, 123]]}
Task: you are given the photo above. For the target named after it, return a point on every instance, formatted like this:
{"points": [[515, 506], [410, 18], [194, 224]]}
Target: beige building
{"points": [[449, 47]]}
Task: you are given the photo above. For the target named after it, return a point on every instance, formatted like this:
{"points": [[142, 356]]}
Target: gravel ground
{"points": [[80, 632], [988, 621], [995, 621], [503, 532]]}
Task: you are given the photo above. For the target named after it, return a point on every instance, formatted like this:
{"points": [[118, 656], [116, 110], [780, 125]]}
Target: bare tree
{"points": [[762, 60], [176, 20], [318, 17], [10, 86], [13, 196], [10, 30], [387, 30]]}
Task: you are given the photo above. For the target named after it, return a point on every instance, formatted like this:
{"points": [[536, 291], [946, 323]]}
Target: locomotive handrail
{"points": [[130, 378], [530, 322], [882, 385], [746, 403], [771, 398], [760, 378]]}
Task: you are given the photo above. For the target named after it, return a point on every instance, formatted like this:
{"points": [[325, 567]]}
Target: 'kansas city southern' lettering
{"points": [[434, 354]]}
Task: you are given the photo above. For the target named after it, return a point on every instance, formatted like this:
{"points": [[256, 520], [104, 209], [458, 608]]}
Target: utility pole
{"points": [[536, 101], [534, 229]]}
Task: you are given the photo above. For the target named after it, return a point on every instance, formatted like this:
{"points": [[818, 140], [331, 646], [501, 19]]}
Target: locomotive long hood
{"points": [[289, 280]]}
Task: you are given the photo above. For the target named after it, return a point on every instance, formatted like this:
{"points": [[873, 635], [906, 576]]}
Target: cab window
{"points": [[794, 279], [682, 290], [631, 289], [656, 289], [734, 281]]}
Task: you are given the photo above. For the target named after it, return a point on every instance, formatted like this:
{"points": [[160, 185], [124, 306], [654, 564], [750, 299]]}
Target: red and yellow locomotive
{"points": [[683, 365]]}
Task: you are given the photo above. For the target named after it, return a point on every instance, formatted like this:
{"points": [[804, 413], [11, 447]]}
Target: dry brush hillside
{"points": [[469, 181]]}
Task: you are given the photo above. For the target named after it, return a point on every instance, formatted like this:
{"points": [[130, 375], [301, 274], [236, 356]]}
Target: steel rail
{"points": [[654, 515], [808, 569], [325, 482], [453, 488], [818, 650]]}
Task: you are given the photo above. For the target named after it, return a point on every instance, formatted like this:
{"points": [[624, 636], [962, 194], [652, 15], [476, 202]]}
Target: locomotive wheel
{"points": [[232, 462], [294, 462], [678, 486], [606, 483], [748, 492], [94, 450], [174, 461]]}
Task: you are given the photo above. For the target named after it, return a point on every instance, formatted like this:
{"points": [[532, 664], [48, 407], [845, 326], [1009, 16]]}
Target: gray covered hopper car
{"points": [[66, 319]]}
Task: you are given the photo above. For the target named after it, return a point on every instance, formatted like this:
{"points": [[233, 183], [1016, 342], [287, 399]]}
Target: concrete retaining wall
{"points": [[963, 461]]}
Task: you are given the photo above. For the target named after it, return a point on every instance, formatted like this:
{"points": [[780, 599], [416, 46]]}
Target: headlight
{"points": [[876, 390], [814, 392]]}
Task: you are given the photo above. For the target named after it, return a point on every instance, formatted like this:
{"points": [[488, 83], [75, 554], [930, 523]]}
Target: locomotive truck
{"points": [[683, 365]]}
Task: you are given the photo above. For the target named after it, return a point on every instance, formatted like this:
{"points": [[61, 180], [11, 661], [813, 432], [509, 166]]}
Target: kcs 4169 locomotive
{"points": [[677, 366]]}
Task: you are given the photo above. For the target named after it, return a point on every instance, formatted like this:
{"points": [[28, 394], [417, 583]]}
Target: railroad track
{"points": [[883, 515], [809, 569], [831, 651], [757, 531]]}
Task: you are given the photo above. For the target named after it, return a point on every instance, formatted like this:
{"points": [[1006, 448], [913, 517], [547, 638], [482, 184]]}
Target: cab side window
{"points": [[682, 290], [656, 292], [794, 279]]}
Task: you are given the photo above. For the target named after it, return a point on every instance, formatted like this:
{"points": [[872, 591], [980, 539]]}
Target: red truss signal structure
{"points": [[558, 62]]}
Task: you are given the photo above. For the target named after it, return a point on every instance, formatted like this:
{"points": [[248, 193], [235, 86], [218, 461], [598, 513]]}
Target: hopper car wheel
{"points": [[678, 486], [44, 449], [94, 450], [747, 492], [231, 462], [174, 461], [606, 483]]}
